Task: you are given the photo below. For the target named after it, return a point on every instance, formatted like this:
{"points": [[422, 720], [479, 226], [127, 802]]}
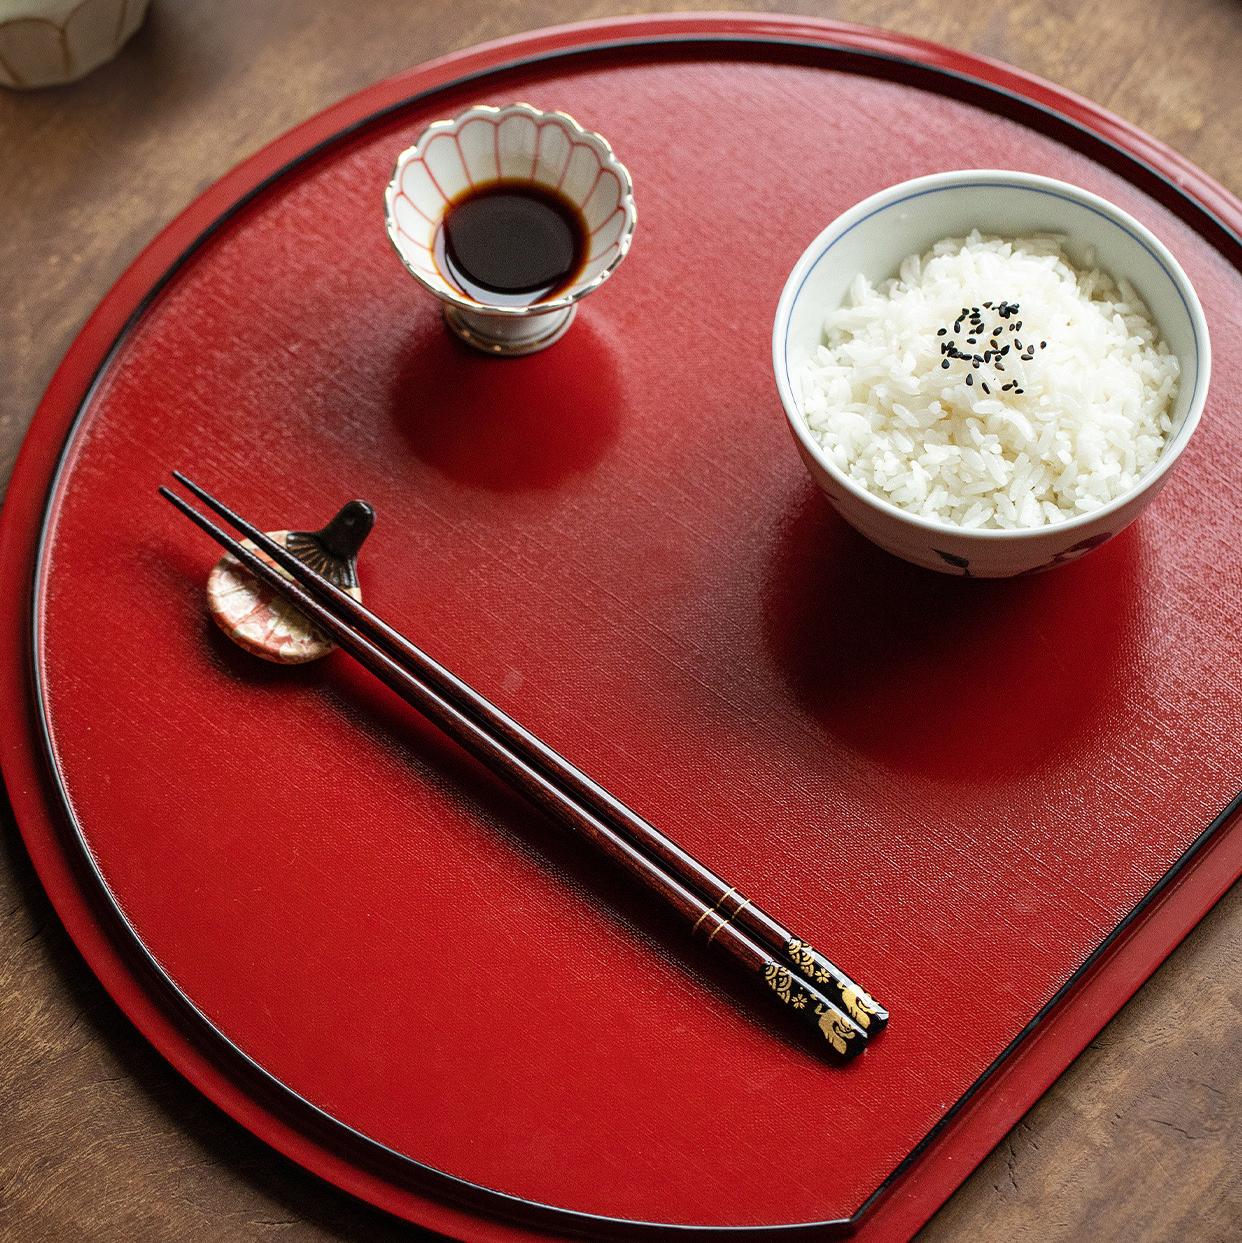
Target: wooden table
{"points": [[99, 1139]]}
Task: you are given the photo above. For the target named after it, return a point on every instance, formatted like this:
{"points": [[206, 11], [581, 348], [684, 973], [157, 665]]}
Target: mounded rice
{"points": [[1068, 418]]}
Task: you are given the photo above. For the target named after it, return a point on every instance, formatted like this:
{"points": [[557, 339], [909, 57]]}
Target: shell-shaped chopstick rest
{"points": [[263, 623]]}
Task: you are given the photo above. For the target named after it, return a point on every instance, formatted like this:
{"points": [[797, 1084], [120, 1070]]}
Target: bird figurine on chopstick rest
{"points": [[259, 620]]}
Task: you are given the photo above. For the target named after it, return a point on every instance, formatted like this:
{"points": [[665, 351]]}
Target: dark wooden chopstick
{"points": [[842, 1035], [726, 904]]}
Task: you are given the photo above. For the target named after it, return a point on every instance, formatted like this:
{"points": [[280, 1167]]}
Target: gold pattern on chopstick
{"points": [[779, 979], [745, 902], [713, 909], [807, 960], [861, 1005], [834, 1026], [803, 956], [707, 910]]}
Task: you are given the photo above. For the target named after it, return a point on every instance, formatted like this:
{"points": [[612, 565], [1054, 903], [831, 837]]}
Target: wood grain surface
{"points": [[99, 1139]]}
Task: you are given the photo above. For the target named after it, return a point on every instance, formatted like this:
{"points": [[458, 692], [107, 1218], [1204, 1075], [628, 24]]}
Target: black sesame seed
{"points": [[971, 340], [983, 384], [945, 364], [941, 332], [1043, 345], [970, 379]]}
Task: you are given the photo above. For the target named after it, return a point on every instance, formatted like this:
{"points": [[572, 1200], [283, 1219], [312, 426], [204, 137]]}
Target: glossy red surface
{"points": [[958, 788]]}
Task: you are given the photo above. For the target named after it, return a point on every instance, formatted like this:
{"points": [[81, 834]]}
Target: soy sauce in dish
{"points": [[511, 243]]}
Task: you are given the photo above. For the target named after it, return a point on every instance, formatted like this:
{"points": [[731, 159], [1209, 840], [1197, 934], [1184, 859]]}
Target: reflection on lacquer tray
{"points": [[516, 849], [953, 677], [507, 424]]}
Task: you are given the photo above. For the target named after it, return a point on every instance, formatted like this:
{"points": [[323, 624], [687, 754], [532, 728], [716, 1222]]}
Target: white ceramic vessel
{"points": [[876, 235], [48, 42], [516, 142]]}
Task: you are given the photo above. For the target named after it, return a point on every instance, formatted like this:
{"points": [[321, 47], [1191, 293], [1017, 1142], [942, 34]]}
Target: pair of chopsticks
{"points": [[795, 973]]}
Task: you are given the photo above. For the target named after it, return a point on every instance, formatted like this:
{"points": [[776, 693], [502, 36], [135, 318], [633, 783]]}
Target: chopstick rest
{"points": [[259, 619]]}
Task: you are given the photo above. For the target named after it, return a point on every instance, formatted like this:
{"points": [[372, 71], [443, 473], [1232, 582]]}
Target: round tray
{"points": [[380, 961]]}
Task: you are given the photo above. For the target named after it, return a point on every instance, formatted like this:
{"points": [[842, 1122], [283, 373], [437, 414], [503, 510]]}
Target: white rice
{"points": [[1087, 415]]}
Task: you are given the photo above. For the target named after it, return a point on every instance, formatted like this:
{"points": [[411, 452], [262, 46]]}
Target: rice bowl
{"points": [[868, 301], [991, 383]]}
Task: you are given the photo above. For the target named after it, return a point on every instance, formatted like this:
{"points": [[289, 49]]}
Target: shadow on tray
{"points": [[931, 673], [514, 424]]}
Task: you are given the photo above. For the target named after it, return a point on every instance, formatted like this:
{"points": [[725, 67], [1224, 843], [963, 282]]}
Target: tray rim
{"points": [[1116, 967]]}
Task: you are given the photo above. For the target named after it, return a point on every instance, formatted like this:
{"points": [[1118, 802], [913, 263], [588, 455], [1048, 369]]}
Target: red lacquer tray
{"points": [[999, 804]]}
